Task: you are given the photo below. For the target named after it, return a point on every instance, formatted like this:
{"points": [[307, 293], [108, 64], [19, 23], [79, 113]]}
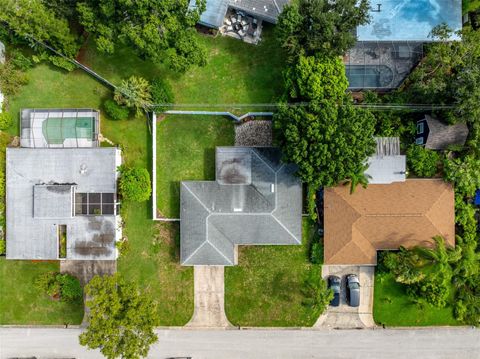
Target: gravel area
{"points": [[254, 133]]}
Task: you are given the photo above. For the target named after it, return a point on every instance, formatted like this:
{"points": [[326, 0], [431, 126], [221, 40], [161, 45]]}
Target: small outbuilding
{"points": [[436, 135]]}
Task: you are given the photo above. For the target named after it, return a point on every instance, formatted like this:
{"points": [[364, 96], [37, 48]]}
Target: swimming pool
{"points": [[369, 76]]}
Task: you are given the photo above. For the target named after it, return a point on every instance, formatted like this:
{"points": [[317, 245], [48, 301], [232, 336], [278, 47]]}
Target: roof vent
{"points": [[83, 169]]}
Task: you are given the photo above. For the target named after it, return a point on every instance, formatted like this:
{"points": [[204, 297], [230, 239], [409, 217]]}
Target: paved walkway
{"points": [[209, 298], [345, 316]]}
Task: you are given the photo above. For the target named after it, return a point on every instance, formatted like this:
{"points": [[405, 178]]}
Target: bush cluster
{"points": [[115, 111], [64, 286], [422, 161], [135, 184]]}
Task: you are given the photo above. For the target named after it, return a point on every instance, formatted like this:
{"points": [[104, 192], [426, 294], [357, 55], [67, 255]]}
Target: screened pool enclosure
{"points": [[59, 128]]}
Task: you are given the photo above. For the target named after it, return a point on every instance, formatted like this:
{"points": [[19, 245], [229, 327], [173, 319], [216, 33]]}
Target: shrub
{"points": [[11, 79], [464, 173], [115, 111], [123, 246], [62, 63], [20, 61], [2, 187], [48, 283], [135, 184], [316, 253], [3, 247], [65, 286], [70, 288], [315, 292], [6, 120], [422, 161], [161, 93]]}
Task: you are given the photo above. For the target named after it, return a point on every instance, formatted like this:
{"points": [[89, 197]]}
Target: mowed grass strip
{"points": [[185, 152], [393, 307], [265, 289]]}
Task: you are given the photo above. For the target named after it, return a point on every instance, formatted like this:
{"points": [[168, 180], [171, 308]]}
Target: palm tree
{"points": [[134, 93], [358, 177], [436, 263]]}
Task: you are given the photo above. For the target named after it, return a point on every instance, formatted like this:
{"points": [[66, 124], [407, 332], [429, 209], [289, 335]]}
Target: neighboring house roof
{"points": [[255, 199], [214, 14], [440, 136], [47, 188], [383, 217], [386, 165]]}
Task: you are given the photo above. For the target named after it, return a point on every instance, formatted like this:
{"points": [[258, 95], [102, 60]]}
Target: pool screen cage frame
{"points": [[35, 140], [401, 57]]}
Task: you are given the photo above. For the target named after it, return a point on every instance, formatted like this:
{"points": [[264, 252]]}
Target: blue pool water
{"points": [[368, 76], [410, 20]]}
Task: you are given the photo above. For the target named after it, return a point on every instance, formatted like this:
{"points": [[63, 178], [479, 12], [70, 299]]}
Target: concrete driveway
{"points": [[209, 298], [345, 316]]}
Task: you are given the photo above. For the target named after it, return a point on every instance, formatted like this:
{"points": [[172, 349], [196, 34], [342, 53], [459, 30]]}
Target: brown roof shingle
{"points": [[386, 217]]}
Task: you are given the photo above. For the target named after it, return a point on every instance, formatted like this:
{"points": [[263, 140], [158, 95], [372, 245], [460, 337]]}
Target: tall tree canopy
{"points": [[33, 18], [121, 320], [309, 27], [155, 29], [323, 133], [449, 74]]}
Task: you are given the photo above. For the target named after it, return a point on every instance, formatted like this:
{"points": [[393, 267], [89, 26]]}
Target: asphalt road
{"points": [[233, 344]]}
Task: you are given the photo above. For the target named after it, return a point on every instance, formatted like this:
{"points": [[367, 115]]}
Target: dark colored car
{"points": [[334, 283], [353, 290]]}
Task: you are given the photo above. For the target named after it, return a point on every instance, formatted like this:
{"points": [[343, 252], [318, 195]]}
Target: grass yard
{"points": [[392, 306], [186, 151], [235, 73], [265, 288], [22, 303]]}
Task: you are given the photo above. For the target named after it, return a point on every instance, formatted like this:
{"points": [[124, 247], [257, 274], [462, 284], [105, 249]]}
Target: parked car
{"points": [[334, 283], [353, 290]]}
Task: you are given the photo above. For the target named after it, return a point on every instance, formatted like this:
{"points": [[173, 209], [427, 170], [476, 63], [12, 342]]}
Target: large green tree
{"points": [[156, 29], [31, 18], [449, 74], [309, 27], [317, 126], [122, 319]]}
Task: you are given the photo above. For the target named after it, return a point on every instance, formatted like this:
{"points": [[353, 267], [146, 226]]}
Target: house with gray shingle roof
{"points": [[256, 199], [436, 135]]}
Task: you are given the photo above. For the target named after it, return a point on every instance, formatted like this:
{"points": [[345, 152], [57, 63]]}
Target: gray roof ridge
{"points": [[195, 196], [219, 251], [265, 162], [286, 229], [194, 252]]}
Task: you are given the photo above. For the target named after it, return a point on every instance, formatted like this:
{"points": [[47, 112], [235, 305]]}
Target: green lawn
{"points": [[392, 306], [265, 288], [186, 151], [22, 303], [235, 73]]}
